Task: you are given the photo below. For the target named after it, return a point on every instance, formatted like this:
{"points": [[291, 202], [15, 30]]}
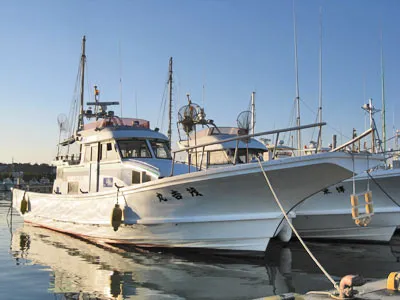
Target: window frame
{"points": [[166, 143], [144, 140]]}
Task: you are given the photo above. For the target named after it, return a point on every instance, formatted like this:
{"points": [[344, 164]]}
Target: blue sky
{"points": [[230, 47]]}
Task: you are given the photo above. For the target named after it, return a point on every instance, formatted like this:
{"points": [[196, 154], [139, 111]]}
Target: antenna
{"points": [[120, 75], [371, 110], [383, 115], [136, 104], [253, 111], [203, 95], [320, 79], [170, 103], [297, 81]]}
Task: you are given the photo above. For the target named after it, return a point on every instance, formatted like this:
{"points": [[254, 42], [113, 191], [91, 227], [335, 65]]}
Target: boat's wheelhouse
{"points": [[219, 154], [115, 154], [144, 148]]}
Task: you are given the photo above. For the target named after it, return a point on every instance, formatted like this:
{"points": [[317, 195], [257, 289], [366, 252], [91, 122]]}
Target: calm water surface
{"points": [[37, 263]]}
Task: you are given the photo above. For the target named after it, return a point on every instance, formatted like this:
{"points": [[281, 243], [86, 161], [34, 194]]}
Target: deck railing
{"points": [[72, 159], [237, 139], [355, 142]]}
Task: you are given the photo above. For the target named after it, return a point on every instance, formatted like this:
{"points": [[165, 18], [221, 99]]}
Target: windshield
{"points": [[160, 148], [134, 149]]}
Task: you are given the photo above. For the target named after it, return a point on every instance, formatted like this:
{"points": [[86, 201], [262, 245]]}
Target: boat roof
{"points": [[215, 134], [118, 128]]}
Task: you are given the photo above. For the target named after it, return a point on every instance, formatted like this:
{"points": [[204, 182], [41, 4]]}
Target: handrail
{"points": [[240, 137], [365, 133], [237, 138]]}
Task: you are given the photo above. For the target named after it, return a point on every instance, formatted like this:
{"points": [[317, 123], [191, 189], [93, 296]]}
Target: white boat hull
{"points": [[328, 215], [225, 208]]}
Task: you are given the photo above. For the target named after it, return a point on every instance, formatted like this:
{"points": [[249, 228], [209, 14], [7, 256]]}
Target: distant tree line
{"points": [[30, 170]]}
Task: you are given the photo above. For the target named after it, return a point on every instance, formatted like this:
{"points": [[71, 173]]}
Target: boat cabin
{"points": [[219, 154], [114, 152]]}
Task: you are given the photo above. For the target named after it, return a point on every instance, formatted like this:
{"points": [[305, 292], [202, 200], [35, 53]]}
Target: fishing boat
{"points": [[330, 214], [221, 153], [123, 187]]}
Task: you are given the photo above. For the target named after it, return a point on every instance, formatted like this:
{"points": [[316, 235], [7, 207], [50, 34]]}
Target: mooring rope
{"points": [[335, 285]]}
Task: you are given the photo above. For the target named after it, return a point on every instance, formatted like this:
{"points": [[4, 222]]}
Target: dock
{"points": [[379, 289]]}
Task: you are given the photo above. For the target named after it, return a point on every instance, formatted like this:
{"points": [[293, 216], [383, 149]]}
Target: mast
{"points": [[320, 80], [170, 102], [383, 115], [253, 112], [297, 82], [83, 60], [120, 76]]}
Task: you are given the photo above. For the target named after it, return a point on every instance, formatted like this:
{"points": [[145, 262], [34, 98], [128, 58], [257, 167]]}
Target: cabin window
{"points": [[91, 153], [107, 152], [244, 156], [160, 148], [134, 149], [218, 158], [135, 177], [140, 177]]}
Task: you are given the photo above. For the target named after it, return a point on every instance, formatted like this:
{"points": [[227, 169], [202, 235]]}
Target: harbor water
{"points": [[37, 263]]}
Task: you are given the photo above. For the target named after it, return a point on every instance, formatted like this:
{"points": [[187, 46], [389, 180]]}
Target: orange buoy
{"points": [[354, 212], [369, 209], [354, 200], [368, 197]]}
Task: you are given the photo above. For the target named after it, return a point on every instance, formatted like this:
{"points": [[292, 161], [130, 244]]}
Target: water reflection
{"points": [[368, 260], [5, 195], [82, 268]]}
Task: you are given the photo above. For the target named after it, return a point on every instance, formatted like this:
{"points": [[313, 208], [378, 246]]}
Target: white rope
{"points": [[295, 231], [354, 175]]}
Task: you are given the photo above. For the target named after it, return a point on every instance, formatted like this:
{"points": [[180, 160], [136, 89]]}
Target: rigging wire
{"points": [[380, 187], [289, 125], [74, 104], [164, 109], [88, 87], [163, 105], [315, 113]]}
